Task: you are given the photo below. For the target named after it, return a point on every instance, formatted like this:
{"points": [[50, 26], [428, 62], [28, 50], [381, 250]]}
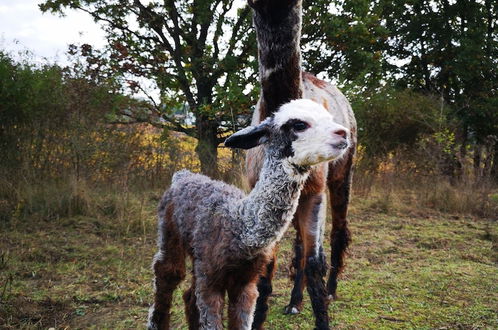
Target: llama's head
{"points": [[301, 131]]}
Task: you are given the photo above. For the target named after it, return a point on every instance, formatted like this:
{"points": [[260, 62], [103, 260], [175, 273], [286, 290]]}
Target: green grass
{"points": [[409, 270]]}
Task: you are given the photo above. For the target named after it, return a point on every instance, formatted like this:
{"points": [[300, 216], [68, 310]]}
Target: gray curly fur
{"points": [[217, 209]]}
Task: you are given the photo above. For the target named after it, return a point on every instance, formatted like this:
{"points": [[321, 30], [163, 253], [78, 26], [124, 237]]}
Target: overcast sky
{"points": [[24, 26]]}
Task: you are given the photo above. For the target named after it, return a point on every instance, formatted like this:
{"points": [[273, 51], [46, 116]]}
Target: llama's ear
{"points": [[249, 137]]}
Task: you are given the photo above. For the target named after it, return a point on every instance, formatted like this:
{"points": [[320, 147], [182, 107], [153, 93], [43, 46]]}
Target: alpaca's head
{"points": [[301, 131]]}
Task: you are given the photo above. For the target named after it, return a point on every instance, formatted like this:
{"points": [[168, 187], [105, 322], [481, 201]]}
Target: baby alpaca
{"points": [[229, 235]]}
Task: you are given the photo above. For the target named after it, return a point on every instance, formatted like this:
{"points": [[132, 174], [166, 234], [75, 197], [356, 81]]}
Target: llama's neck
{"points": [[278, 29], [265, 214]]}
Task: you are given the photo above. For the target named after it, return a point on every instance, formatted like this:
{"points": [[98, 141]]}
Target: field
{"points": [[410, 269]]}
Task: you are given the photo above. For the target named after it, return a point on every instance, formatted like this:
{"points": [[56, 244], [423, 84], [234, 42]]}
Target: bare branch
{"points": [[157, 109], [176, 53], [219, 29]]}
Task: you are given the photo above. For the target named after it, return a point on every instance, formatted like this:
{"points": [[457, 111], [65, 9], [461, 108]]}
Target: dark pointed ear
{"points": [[249, 137]]}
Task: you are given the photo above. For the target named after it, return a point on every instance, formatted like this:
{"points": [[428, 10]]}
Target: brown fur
{"points": [[169, 271], [315, 81]]}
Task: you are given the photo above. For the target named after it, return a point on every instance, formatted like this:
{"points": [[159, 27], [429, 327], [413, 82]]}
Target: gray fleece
{"points": [[252, 222]]}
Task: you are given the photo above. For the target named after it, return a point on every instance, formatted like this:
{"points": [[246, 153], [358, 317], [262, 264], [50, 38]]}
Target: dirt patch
{"points": [[41, 314]]}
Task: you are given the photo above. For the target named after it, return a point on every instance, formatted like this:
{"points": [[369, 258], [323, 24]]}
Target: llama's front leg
{"points": [[339, 183], [209, 302], [298, 276], [264, 290], [242, 302], [311, 228], [315, 270]]}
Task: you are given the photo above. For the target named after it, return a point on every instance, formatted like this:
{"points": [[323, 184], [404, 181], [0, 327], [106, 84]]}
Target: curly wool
{"points": [[211, 210]]}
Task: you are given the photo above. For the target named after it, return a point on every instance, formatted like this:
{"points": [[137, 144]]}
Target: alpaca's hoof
{"points": [[291, 310], [151, 321], [332, 297]]}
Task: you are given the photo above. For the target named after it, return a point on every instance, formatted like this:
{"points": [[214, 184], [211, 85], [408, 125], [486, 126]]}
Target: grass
{"points": [[408, 269]]}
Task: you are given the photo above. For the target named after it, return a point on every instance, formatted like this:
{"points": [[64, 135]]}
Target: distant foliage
{"points": [[58, 125], [442, 50], [391, 119]]}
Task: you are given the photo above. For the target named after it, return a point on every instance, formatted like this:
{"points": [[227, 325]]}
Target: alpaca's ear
{"points": [[249, 137]]}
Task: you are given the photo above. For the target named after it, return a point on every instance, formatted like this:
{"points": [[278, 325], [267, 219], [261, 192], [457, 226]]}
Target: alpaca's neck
{"points": [[265, 214], [278, 29]]}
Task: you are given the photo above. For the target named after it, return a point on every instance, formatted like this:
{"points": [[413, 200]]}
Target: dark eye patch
{"points": [[300, 126], [295, 125]]}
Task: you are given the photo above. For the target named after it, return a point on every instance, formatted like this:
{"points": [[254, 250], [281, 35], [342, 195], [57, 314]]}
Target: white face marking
{"points": [[317, 143]]}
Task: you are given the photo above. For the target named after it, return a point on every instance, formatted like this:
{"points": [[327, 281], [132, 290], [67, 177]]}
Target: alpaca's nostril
{"points": [[341, 133]]}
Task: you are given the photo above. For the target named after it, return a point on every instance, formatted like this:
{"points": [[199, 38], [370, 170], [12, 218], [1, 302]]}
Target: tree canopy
{"points": [[199, 54]]}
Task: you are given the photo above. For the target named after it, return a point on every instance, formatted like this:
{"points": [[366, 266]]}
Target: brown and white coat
{"points": [[278, 29]]}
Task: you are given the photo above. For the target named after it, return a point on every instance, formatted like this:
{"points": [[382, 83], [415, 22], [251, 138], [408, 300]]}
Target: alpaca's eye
{"points": [[300, 126]]}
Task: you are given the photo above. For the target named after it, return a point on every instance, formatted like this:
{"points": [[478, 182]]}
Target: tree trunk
{"points": [[207, 146]]}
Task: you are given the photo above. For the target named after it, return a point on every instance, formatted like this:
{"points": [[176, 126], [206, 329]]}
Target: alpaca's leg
{"points": [[169, 271], [191, 310], [209, 300], [264, 290], [339, 183], [242, 302], [298, 275]]}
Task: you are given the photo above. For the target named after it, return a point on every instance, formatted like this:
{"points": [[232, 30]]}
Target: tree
{"points": [[199, 54], [347, 41], [450, 49], [447, 48]]}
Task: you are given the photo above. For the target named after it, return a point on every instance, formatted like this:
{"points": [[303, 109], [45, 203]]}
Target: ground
{"points": [[404, 270]]}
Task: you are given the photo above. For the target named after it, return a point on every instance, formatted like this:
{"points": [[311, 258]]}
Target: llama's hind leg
{"points": [[168, 275], [339, 183], [169, 270]]}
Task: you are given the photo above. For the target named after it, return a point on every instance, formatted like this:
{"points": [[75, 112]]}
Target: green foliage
{"points": [[442, 50], [391, 119], [199, 55], [28, 95], [346, 40], [58, 125]]}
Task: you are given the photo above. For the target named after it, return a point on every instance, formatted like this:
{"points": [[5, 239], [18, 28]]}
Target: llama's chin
{"points": [[339, 150], [331, 155]]}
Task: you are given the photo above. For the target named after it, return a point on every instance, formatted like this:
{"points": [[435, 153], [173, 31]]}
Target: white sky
{"points": [[24, 27]]}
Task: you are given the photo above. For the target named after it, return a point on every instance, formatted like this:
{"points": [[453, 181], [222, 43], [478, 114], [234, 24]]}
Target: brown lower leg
{"points": [[191, 310], [340, 237], [167, 278], [242, 299]]}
